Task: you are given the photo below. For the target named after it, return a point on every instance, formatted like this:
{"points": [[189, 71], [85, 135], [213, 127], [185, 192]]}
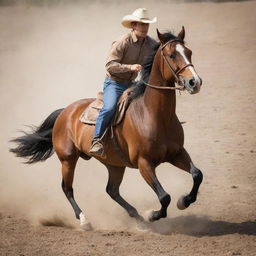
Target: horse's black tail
{"points": [[37, 145]]}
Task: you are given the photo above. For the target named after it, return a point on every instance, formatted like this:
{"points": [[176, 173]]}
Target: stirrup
{"points": [[97, 147]]}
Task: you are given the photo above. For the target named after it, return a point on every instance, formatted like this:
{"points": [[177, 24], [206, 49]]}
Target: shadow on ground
{"points": [[202, 226], [55, 221]]}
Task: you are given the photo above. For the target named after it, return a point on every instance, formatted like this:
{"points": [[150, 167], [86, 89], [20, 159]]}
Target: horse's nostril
{"points": [[192, 82]]}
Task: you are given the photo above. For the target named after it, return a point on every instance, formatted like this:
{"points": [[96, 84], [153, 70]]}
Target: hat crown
{"points": [[141, 13]]}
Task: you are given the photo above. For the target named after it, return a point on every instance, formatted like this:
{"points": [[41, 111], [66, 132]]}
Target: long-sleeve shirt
{"points": [[125, 52]]}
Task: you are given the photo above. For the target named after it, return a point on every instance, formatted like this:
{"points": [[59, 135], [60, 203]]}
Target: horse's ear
{"points": [[181, 35], [160, 36]]}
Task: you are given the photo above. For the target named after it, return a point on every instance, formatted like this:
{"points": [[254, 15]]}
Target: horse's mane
{"points": [[139, 86]]}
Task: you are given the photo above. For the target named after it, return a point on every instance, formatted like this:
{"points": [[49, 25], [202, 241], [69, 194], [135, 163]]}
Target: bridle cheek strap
{"points": [[175, 73]]}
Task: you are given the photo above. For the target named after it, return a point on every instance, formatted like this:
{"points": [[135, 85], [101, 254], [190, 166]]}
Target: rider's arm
{"points": [[115, 57]]}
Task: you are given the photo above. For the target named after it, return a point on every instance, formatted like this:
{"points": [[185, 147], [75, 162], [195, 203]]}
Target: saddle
{"points": [[89, 116]]}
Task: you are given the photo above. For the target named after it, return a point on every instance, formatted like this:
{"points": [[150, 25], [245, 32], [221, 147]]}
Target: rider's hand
{"points": [[136, 67]]}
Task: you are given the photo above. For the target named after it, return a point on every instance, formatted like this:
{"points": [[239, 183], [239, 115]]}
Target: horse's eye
{"points": [[172, 56]]}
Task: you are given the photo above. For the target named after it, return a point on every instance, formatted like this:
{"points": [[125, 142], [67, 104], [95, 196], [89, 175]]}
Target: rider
{"points": [[124, 61]]}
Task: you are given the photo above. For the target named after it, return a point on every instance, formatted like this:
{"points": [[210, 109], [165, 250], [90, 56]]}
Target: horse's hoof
{"points": [[181, 203], [86, 226], [142, 227], [151, 217], [84, 223]]}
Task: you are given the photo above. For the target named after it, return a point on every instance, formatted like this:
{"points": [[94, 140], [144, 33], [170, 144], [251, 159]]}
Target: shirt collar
{"points": [[134, 37]]}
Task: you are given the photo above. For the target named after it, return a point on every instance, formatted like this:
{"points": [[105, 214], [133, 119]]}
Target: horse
{"points": [[149, 134]]}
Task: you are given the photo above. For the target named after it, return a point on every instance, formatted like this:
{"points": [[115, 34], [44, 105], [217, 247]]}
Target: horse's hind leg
{"points": [[68, 168], [115, 178], [184, 162]]}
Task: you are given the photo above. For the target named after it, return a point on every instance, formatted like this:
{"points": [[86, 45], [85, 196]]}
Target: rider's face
{"points": [[140, 29]]}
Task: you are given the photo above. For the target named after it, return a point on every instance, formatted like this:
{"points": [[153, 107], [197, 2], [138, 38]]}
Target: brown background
{"points": [[52, 55]]}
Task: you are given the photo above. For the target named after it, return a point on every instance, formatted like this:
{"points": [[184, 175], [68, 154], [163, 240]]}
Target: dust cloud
{"points": [[51, 56]]}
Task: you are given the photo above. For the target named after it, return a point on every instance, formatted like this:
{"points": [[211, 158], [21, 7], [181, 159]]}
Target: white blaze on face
{"points": [[181, 50]]}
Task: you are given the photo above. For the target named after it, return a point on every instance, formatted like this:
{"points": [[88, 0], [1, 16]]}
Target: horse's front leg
{"points": [[184, 162], [147, 171]]}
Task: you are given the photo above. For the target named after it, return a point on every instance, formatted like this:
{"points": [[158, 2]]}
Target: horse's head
{"points": [[177, 66]]}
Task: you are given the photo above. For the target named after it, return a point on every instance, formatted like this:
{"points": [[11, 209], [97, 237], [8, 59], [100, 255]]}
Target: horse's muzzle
{"points": [[192, 85]]}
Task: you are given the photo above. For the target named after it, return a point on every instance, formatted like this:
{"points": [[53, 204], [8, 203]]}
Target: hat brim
{"points": [[127, 20]]}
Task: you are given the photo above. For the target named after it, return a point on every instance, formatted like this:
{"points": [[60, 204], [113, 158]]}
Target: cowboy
{"points": [[124, 61]]}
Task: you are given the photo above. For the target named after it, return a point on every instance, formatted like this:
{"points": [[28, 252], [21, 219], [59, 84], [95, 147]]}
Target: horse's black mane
{"points": [[139, 86]]}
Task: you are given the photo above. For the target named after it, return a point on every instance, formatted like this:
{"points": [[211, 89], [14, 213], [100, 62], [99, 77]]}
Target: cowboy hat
{"points": [[139, 15]]}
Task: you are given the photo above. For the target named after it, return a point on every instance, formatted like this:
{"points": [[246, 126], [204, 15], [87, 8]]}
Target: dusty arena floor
{"points": [[53, 55]]}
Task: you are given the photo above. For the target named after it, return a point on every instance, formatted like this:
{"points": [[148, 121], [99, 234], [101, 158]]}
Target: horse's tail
{"points": [[37, 145]]}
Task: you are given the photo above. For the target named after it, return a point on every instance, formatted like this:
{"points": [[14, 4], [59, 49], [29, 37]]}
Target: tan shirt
{"points": [[125, 52]]}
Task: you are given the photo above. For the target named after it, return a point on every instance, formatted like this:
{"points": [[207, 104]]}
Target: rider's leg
{"points": [[112, 91]]}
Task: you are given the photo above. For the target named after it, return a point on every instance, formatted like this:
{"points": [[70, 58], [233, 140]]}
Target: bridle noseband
{"points": [[180, 85]]}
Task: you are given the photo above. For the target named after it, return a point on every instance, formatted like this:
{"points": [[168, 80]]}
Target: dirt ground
{"points": [[53, 55]]}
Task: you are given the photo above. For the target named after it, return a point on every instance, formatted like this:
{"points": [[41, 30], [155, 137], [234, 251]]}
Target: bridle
{"points": [[179, 85]]}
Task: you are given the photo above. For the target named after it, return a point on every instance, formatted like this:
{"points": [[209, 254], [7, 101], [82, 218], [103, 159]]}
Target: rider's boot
{"points": [[97, 147]]}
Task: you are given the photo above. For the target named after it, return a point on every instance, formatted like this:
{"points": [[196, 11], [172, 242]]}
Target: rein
{"points": [[179, 87]]}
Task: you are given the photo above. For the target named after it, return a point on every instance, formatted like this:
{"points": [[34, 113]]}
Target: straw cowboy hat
{"points": [[139, 15]]}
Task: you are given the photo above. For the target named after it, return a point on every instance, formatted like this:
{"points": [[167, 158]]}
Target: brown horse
{"points": [[149, 134]]}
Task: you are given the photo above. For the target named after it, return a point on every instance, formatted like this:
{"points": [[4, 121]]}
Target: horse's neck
{"points": [[160, 103]]}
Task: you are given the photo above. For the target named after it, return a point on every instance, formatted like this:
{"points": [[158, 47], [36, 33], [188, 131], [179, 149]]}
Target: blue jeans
{"points": [[112, 91]]}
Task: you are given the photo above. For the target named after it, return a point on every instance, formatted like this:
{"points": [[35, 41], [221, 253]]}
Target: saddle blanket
{"points": [[89, 116]]}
